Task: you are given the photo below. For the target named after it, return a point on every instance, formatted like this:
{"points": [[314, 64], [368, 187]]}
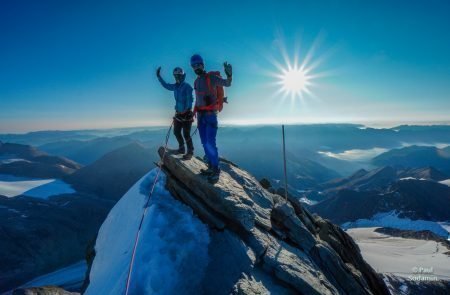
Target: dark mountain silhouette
{"points": [[32, 162], [267, 161], [114, 173], [380, 178], [428, 173], [416, 199], [38, 236], [416, 156], [86, 152], [333, 137]]}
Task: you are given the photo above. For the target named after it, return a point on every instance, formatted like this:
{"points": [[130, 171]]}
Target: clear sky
{"points": [[91, 64]]}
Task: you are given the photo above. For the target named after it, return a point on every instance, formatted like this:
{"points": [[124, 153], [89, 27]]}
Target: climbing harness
{"points": [[136, 241]]}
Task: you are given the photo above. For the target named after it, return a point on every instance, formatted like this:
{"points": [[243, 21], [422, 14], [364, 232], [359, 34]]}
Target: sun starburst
{"points": [[294, 81], [296, 74]]}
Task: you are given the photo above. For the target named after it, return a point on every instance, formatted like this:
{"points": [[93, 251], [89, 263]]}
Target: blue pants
{"points": [[207, 127]]}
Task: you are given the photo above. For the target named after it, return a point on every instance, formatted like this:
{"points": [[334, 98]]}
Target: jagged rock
{"points": [[46, 290], [265, 183], [237, 199], [249, 286], [284, 215], [264, 243], [200, 208], [349, 252], [260, 282], [295, 268], [347, 279]]}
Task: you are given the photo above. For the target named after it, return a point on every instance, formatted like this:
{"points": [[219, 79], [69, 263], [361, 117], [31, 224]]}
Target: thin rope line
{"points": [[136, 241]]}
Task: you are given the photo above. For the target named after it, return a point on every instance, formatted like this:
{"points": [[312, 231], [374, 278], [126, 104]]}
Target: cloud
{"points": [[358, 155]]}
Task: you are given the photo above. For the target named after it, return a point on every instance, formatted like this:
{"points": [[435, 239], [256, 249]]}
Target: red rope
{"points": [[136, 241]]}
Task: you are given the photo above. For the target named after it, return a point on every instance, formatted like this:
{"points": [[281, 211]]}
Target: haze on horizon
{"points": [[88, 65]]}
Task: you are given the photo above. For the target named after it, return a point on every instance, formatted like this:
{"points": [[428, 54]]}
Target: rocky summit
{"points": [[262, 243]]}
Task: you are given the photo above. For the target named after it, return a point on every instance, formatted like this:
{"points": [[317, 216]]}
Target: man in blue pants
{"points": [[207, 108]]}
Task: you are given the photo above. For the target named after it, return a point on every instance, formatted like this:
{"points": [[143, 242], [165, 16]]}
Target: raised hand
{"points": [[228, 69]]}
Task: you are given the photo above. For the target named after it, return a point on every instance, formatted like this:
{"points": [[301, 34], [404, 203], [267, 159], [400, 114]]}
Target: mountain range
{"points": [[416, 156], [27, 161]]}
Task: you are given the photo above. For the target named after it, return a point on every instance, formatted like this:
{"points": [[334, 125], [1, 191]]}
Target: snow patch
{"points": [[412, 178], [12, 186], [355, 154], [53, 188], [391, 219], [446, 182], [439, 145], [308, 201], [401, 256], [446, 226], [9, 161], [172, 253], [69, 278]]}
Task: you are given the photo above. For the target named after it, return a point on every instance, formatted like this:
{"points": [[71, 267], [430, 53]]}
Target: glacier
{"points": [[391, 219], [172, 253]]}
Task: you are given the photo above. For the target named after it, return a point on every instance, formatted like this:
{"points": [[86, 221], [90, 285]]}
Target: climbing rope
{"points": [[136, 241]]}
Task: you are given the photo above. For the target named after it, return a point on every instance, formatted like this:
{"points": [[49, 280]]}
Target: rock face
{"points": [[262, 243], [47, 290]]}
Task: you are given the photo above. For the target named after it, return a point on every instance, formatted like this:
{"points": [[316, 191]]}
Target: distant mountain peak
{"points": [[29, 161], [273, 244]]}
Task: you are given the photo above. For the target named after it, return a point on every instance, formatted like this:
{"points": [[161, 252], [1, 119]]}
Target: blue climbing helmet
{"points": [[196, 59]]}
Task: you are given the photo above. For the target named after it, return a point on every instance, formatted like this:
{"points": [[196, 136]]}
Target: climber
{"points": [[207, 105], [182, 121]]}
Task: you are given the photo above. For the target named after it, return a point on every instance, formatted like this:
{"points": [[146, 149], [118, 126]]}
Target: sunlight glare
{"points": [[294, 80]]}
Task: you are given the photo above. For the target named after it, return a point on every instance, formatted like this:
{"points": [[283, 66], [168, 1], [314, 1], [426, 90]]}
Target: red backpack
{"points": [[219, 91]]}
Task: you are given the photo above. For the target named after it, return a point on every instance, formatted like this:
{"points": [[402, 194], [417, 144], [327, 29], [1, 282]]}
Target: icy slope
{"points": [[173, 248]]}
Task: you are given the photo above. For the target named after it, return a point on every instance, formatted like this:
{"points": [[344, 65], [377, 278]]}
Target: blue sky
{"points": [[90, 64]]}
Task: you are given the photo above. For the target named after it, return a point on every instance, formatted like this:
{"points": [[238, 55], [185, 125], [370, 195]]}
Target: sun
{"points": [[294, 81], [297, 73]]}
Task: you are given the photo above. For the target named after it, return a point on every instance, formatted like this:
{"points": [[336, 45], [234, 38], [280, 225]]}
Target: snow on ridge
{"points": [[412, 178], [391, 219], [446, 182], [308, 201], [9, 161], [172, 254], [355, 154], [13, 186], [71, 276]]}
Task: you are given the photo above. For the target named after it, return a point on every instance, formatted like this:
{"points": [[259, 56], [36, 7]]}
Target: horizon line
{"points": [[367, 124]]}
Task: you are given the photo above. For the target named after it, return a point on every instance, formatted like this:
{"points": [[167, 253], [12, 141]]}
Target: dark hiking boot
{"points": [[188, 156], [214, 176], [207, 172], [181, 150]]}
